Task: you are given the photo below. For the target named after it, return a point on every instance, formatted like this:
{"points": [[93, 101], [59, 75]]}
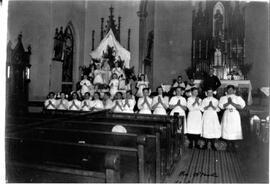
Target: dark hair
{"points": [[230, 86], [107, 93], [129, 91], [146, 88], [194, 88], [51, 93], [159, 87], [209, 88], [140, 77], [179, 76], [87, 93]]}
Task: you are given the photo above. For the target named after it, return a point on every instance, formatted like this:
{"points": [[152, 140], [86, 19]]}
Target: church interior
{"points": [[114, 91]]}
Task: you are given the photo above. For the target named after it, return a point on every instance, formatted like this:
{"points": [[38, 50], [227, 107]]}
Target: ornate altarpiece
{"points": [[218, 39]]}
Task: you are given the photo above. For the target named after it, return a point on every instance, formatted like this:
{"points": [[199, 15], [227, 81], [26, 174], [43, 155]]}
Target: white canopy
{"points": [[109, 40]]}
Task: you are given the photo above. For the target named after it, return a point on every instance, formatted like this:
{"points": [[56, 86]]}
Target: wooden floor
{"points": [[207, 166]]}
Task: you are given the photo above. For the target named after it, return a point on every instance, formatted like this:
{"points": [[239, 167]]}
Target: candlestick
{"points": [[194, 54], [200, 48], [230, 48], [244, 52], [206, 51], [225, 42]]}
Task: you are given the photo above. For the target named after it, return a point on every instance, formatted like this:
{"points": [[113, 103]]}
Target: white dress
{"points": [[140, 86], [51, 102], [85, 86], [144, 109], [194, 118], [71, 106], [98, 77], [231, 122], [128, 109], [86, 105], [63, 104], [211, 127], [160, 110], [114, 83], [178, 109], [117, 108], [96, 104]]}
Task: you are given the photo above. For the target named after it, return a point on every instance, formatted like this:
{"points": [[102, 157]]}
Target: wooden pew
{"points": [[132, 129], [174, 140], [54, 152]]}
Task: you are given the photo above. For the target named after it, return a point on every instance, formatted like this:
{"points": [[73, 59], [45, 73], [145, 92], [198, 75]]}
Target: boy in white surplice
{"points": [[194, 119], [160, 103], [231, 120], [211, 128]]}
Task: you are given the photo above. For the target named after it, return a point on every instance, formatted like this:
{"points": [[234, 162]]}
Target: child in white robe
{"points": [[107, 102], [86, 102], [118, 70], [144, 103], [114, 84], [96, 104], [178, 105], [160, 103], [211, 128], [194, 118], [50, 103], [128, 103], [62, 103], [74, 104], [85, 85], [231, 128], [141, 84], [98, 73], [117, 103]]}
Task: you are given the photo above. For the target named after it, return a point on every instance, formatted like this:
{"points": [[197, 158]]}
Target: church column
{"points": [[142, 14]]}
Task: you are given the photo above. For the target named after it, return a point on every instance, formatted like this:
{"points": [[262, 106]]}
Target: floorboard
{"points": [[207, 166]]}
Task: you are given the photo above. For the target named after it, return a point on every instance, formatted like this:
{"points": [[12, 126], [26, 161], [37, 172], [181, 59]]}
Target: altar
{"points": [[243, 87]]}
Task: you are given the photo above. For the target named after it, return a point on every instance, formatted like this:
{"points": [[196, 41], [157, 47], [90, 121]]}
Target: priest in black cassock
{"points": [[211, 81]]}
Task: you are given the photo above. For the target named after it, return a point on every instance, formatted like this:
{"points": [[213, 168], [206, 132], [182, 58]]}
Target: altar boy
{"points": [[231, 120]]}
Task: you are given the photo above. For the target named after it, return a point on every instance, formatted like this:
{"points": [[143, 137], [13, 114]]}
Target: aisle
{"points": [[207, 166]]}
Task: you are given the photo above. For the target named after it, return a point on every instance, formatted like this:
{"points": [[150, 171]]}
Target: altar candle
{"points": [[237, 48], [193, 48], [230, 48], [225, 42], [206, 50], [199, 48], [244, 52]]}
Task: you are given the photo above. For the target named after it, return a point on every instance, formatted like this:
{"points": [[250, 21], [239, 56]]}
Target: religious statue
{"points": [[218, 23], [217, 57]]}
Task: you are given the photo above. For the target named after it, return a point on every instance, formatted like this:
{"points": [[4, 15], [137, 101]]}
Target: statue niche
{"points": [[218, 21]]}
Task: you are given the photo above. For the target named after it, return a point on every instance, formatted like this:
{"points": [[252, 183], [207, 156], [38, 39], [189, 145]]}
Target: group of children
{"points": [[200, 115]]}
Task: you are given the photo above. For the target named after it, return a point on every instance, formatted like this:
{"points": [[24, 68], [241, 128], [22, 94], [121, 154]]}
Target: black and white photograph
{"points": [[137, 91]]}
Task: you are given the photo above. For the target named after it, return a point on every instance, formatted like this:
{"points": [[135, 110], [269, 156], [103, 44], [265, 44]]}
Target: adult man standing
{"points": [[211, 81]]}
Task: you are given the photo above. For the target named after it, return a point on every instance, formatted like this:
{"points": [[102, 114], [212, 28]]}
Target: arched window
{"points": [[67, 68]]}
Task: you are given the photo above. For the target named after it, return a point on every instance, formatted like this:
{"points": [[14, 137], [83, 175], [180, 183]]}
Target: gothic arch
{"points": [[69, 59]]}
